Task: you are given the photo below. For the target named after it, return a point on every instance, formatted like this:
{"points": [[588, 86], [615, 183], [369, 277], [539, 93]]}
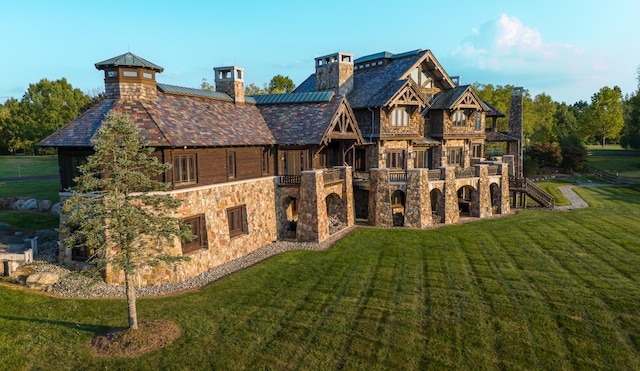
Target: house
{"points": [[386, 139]]}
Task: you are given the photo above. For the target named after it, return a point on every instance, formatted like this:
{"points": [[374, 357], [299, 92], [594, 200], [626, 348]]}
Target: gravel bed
{"points": [[81, 285]]}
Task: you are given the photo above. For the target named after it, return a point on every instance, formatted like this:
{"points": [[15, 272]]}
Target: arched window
{"points": [[459, 118], [399, 117]]}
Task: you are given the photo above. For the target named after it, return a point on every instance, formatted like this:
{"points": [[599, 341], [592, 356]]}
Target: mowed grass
{"points": [[616, 160], [21, 166], [538, 290], [27, 166]]}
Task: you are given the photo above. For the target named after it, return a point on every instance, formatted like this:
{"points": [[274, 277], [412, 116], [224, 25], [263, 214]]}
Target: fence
{"points": [[614, 178]]}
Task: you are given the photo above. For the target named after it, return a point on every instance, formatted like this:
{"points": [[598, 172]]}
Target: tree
{"points": [[114, 215], [630, 135], [605, 114], [47, 105], [544, 129], [253, 89], [280, 85], [205, 85]]}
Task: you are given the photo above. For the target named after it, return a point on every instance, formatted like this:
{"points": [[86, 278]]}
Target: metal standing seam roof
{"points": [[129, 60], [307, 97], [173, 89]]}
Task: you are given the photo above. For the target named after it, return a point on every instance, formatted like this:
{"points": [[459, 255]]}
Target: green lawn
{"points": [[27, 221], [538, 290], [615, 160], [21, 166]]}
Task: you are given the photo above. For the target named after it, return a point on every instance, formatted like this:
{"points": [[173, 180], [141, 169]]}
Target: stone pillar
{"points": [[510, 161], [312, 215], [380, 213], [418, 204], [347, 191], [482, 208], [451, 208], [503, 170]]}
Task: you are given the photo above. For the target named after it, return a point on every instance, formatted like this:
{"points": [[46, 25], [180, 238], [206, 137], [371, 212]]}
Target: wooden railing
{"points": [[398, 176], [361, 175], [434, 174], [469, 172], [532, 190], [331, 175], [614, 178], [289, 179]]}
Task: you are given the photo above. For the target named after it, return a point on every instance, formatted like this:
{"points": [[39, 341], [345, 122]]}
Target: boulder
{"points": [[44, 205], [42, 280], [30, 204], [55, 209]]}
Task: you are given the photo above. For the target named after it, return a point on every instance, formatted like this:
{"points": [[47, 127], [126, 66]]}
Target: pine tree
{"points": [[120, 215]]}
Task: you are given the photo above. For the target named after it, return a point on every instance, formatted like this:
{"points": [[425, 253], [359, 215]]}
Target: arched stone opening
{"points": [[437, 206], [290, 222], [397, 208], [468, 201], [496, 198], [336, 213]]}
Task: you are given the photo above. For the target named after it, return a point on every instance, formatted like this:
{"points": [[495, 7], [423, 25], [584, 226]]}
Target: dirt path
{"points": [[576, 201]]}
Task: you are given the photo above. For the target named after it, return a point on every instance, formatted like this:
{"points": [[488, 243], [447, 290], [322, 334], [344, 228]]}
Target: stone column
{"points": [[312, 215], [451, 208], [418, 205], [482, 208], [509, 160], [380, 213], [347, 191], [503, 170]]}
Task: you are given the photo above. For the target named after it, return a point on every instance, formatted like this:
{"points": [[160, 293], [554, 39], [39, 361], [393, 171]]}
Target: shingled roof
{"points": [[173, 120], [300, 123]]}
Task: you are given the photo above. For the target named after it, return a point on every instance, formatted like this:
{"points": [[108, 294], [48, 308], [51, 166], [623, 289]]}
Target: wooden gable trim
{"points": [[468, 99], [343, 126], [429, 59], [409, 95]]}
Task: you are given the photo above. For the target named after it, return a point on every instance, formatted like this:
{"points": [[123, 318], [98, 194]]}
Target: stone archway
{"points": [[496, 199], [398, 199], [468, 201], [336, 213], [437, 206], [290, 218]]}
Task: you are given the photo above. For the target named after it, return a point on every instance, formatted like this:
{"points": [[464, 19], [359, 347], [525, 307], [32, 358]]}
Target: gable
{"points": [[343, 126], [468, 99], [408, 95]]}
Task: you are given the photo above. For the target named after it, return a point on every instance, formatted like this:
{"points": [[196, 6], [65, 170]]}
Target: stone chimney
{"points": [[515, 130], [128, 76], [230, 80], [335, 72]]}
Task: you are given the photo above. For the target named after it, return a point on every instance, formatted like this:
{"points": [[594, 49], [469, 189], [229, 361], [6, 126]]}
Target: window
{"points": [[454, 156], [236, 217], [130, 73], [420, 160], [476, 150], [399, 117], [395, 159], [231, 164], [266, 161], [361, 158], [184, 169], [198, 228], [80, 251], [477, 125], [459, 118]]}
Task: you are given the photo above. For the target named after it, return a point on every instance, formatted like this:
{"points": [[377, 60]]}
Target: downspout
{"points": [[373, 116]]}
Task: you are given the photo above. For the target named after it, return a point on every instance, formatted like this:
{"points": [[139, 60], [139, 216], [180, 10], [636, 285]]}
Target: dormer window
{"points": [[459, 118], [399, 117]]}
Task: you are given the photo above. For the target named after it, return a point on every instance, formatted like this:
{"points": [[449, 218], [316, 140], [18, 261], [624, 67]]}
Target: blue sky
{"points": [[567, 49]]}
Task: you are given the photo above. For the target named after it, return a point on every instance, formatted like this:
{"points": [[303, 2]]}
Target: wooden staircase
{"points": [[532, 190]]}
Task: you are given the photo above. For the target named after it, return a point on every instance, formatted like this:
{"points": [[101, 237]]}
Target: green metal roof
{"points": [[385, 55], [173, 89], [128, 59], [310, 97]]}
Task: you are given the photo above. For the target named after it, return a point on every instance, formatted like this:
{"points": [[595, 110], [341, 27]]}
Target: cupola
{"points": [[128, 76]]}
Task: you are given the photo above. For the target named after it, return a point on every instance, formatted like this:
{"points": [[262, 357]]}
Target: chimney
{"points": [[128, 76], [335, 72], [515, 130], [230, 80]]}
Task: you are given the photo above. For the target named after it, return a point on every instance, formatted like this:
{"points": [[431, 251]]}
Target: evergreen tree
{"points": [[114, 213]]}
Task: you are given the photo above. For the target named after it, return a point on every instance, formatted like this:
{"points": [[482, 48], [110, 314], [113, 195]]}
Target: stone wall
{"points": [[418, 201], [131, 90], [380, 212]]}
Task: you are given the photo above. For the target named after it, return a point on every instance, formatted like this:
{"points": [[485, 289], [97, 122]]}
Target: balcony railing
{"points": [[434, 174], [398, 176], [493, 170], [331, 175], [289, 179], [469, 172]]}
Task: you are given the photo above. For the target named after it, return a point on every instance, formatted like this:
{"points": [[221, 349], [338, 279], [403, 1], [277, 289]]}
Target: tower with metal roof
{"points": [[128, 76]]}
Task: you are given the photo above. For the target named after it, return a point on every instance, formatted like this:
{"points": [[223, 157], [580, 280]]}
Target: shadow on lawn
{"points": [[95, 329]]}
